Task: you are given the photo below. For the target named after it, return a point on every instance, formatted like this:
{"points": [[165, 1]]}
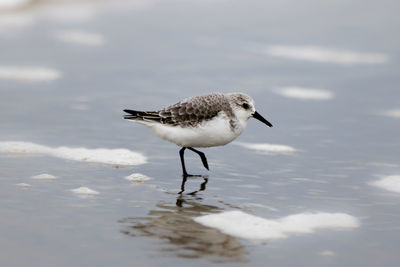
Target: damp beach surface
{"points": [[81, 186]]}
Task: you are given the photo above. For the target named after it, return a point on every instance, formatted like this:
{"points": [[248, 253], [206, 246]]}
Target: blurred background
{"points": [[325, 73]]}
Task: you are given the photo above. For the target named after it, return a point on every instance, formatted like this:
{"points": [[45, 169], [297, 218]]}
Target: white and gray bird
{"points": [[201, 121]]}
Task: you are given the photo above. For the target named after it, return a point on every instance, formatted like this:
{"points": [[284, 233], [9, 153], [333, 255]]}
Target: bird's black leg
{"points": [[202, 156], [181, 153]]}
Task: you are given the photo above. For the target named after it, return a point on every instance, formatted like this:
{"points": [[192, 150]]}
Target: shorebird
{"points": [[200, 121]]}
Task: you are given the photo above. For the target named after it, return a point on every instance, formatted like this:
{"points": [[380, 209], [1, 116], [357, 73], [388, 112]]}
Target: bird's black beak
{"points": [[257, 116]]}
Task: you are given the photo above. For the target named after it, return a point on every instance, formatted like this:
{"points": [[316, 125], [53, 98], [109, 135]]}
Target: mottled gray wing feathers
{"points": [[188, 112]]}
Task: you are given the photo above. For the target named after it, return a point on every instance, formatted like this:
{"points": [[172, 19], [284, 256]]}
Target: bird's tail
{"points": [[133, 114], [140, 115]]}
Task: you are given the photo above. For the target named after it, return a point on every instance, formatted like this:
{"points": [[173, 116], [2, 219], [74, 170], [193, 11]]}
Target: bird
{"points": [[210, 120]]}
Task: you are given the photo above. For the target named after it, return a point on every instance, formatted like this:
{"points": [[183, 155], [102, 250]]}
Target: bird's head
{"points": [[243, 107]]}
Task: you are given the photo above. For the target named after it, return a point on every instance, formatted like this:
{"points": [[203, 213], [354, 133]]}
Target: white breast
{"points": [[215, 132]]}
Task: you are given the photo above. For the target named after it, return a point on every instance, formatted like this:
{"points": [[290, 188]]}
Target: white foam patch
{"points": [[137, 178], [390, 183], [44, 176], [99, 155], [327, 253], [305, 93], [394, 113], [84, 191], [383, 164], [269, 149], [78, 37], [321, 54], [243, 225], [28, 74], [23, 185]]}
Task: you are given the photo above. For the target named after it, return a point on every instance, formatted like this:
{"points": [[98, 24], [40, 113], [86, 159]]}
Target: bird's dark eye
{"points": [[245, 106]]}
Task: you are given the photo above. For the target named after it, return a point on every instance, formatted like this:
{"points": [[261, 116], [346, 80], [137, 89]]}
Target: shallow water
{"points": [[68, 69]]}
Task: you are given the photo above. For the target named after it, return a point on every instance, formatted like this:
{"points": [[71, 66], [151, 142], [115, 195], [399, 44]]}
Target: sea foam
{"points": [[84, 191], [118, 156], [79, 37], [389, 183], [243, 225], [326, 55], [28, 74], [305, 93], [269, 149]]}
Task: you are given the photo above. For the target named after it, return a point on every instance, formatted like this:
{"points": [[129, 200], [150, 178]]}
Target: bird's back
{"points": [[189, 112], [196, 110]]}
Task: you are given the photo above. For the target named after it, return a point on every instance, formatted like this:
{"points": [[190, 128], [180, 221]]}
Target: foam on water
{"points": [[137, 178], [84, 191], [269, 149], [305, 93], [99, 155], [243, 225], [79, 37], [44, 176], [326, 55], [23, 185], [394, 113], [390, 183], [327, 253], [28, 74]]}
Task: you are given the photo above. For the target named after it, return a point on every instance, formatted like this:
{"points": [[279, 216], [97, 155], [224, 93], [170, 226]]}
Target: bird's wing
{"points": [[188, 112], [194, 110]]}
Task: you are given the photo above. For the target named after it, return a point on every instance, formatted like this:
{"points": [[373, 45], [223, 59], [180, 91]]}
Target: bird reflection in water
{"points": [[185, 238], [202, 185]]}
